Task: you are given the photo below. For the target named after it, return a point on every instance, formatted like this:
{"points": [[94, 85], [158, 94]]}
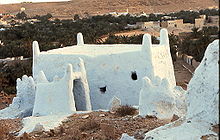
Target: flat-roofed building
{"points": [[199, 22], [145, 25], [178, 23]]}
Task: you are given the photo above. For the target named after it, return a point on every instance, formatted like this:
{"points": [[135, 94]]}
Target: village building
{"points": [[142, 14], [87, 77], [178, 23], [172, 23], [116, 14], [149, 24], [212, 21], [199, 22], [104, 69]]}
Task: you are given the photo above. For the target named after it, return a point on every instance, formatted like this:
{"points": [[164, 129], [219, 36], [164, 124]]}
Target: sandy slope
{"points": [[105, 6]]}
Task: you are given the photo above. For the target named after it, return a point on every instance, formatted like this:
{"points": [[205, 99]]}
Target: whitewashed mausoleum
{"points": [[87, 77]]}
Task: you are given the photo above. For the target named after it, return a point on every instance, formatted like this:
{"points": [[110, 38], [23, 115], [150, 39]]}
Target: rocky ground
{"points": [[5, 100], [90, 126], [96, 125], [9, 127]]}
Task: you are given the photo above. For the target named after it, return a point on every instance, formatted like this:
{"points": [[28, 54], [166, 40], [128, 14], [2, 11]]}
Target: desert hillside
{"points": [[94, 7]]}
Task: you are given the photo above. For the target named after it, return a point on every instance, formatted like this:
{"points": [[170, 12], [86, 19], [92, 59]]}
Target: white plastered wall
{"points": [[159, 95], [54, 97], [59, 96], [22, 105], [110, 66], [159, 99], [202, 103]]}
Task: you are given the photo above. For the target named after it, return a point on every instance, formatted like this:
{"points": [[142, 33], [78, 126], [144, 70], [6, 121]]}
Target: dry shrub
{"points": [[90, 125], [125, 110]]}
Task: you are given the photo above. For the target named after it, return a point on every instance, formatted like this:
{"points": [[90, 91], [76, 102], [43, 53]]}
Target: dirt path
{"points": [[182, 72]]}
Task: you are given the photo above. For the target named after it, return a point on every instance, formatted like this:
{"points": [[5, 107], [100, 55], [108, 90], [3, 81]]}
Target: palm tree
{"points": [[195, 32]]}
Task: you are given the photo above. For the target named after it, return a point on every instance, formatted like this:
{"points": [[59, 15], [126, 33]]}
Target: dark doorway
{"points": [[79, 95]]}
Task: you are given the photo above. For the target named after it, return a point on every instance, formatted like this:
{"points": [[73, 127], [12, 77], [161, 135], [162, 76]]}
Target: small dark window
{"points": [[134, 75], [103, 89]]}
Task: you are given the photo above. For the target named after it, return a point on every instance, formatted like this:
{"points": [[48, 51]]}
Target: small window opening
{"points": [[134, 75], [103, 89]]}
